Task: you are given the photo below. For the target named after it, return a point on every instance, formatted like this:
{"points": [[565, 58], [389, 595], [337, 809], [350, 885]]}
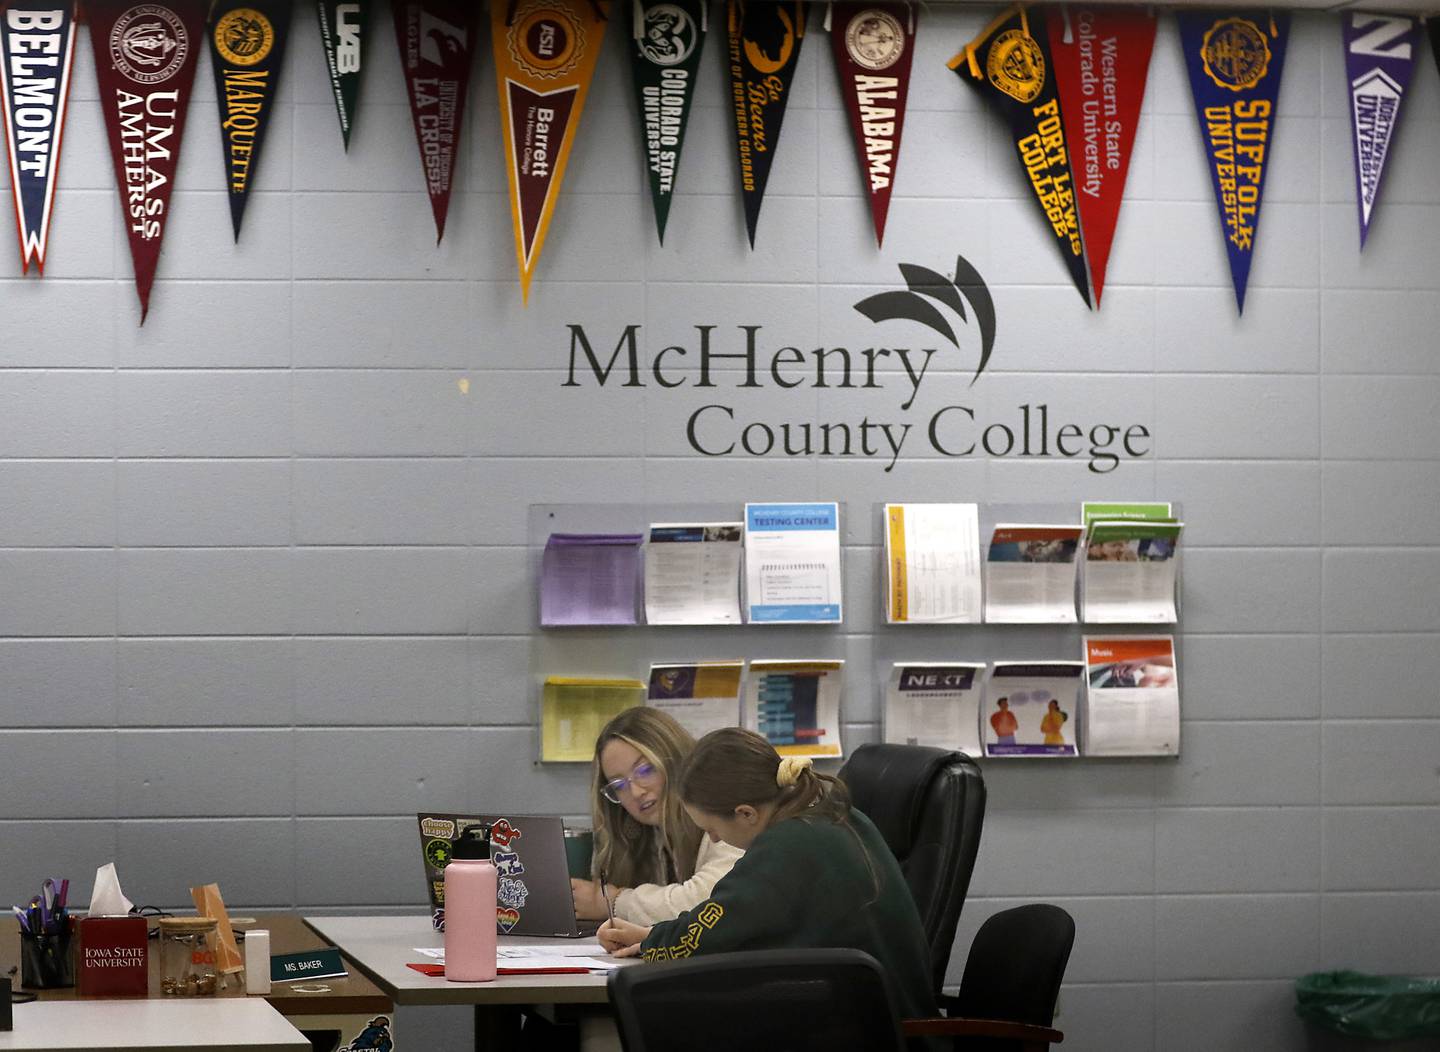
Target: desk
{"points": [[145, 1024]]}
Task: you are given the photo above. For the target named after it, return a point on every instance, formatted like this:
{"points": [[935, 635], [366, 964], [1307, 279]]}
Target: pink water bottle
{"points": [[470, 887]]}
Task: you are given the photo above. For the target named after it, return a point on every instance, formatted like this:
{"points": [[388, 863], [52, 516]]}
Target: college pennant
{"points": [[664, 56], [874, 45], [1102, 58], [1235, 60], [37, 49], [1434, 26], [545, 52], [765, 41], [247, 53], [1010, 65], [342, 32], [437, 39], [1379, 59], [145, 59]]}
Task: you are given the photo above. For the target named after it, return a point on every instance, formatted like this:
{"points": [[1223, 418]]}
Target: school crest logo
{"points": [[924, 289], [670, 35], [1236, 55], [244, 37], [1016, 65], [149, 44], [875, 39], [547, 43]]}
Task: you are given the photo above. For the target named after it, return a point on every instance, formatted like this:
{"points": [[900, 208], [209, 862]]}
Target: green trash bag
{"points": [[1384, 1007]]}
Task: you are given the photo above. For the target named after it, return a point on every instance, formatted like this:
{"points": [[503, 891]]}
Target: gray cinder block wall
{"points": [[263, 570]]}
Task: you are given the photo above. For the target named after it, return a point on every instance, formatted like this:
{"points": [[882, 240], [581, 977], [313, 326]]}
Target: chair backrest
{"points": [[1016, 965], [929, 805], [776, 1000]]}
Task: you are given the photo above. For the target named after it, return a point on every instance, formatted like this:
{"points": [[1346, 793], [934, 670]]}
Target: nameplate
{"points": [[312, 964]]}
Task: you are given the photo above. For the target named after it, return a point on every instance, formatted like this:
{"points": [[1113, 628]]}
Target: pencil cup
{"points": [[46, 961]]}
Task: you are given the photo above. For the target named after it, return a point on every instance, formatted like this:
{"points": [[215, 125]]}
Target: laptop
{"points": [[529, 855]]}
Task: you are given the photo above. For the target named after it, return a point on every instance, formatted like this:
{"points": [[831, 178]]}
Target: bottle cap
{"points": [[474, 843]]}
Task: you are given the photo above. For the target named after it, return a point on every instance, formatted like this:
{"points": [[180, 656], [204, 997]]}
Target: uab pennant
{"points": [[874, 45], [667, 39], [1235, 59], [545, 54], [1009, 64], [1379, 59], [145, 58], [342, 33], [247, 53], [37, 49]]}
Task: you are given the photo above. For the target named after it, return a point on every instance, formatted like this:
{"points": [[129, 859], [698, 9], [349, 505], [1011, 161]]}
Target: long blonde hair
{"points": [[627, 851]]}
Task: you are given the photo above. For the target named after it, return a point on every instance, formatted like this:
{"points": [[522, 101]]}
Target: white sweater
{"points": [[651, 903]]}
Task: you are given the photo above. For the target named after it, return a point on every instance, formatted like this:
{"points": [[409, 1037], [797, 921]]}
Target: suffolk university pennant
{"points": [[37, 48], [664, 57], [1379, 58], [342, 33]]}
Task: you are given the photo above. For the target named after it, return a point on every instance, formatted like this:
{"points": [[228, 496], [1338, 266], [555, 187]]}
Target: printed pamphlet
{"points": [[792, 563], [692, 573], [1030, 574], [796, 705], [1030, 708], [573, 709], [1133, 701], [932, 564], [702, 697], [935, 703], [1130, 572]]}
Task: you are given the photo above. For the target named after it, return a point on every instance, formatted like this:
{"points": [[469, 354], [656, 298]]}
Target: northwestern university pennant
{"points": [[37, 48], [1102, 58], [342, 33], [1379, 58], [664, 56], [874, 45], [1010, 65], [1235, 60], [545, 52], [247, 53], [145, 59]]}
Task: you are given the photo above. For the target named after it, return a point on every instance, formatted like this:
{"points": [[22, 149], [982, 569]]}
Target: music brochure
{"points": [[1133, 699], [932, 564], [702, 697], [1031, 708], [935, 703], [796, 706], [1030, 574], [1130, 572], [792, 563], [692, 573]]}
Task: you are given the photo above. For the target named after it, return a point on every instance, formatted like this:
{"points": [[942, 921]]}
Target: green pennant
{"points": [[342, 31]]}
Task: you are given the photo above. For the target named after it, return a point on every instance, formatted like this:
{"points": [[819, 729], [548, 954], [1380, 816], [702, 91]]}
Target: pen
{"points": [[608, 908], [21, 917]]}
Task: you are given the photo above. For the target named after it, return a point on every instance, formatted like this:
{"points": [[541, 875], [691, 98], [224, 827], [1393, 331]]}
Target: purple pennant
{"points": [[1379, 59]]}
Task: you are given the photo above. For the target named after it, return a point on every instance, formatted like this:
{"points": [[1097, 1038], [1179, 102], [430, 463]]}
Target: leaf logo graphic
{"points": [[924, 285]]}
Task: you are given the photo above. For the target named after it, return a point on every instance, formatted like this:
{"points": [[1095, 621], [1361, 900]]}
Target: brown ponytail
{"points": [[731, 766]]}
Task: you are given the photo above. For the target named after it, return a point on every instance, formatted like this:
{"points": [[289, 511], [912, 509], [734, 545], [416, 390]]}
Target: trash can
{"points": [[1379, 1007]]}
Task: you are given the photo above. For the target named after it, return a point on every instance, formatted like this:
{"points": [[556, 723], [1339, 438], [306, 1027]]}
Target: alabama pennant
{"points": [[342, 33], [1379, 59], [667, 38]]}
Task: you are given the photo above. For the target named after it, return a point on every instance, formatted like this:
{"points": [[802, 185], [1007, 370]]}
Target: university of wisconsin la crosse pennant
{"points": [[342, 35], [667, 37], [1379, 59]]}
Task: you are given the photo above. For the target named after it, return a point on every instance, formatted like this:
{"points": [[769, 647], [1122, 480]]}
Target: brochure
{"points": [[935, 703], [792, 562], [692, 573], [590, 579], [1030, 574], [1030, 708], [932, 564], [702, 697], [1133, 703], [573, 709], [796, 705], [1118, 511], [1130, 572]]}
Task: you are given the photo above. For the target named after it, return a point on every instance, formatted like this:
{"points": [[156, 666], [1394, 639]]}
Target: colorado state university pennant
{"points": [[1235, 60], [664, 56], [1102, 58], [342, 33], [874, 45], [545, 53], [1010, 65], [145, 59], [1379, 59], [37, 49]]}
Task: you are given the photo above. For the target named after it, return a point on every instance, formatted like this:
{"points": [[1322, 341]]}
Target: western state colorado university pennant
{"points": [[437, 39], [37, 49], [874, 45], [765, 41], [1102, 58], [247, 53], [342, 32], [544, 57], [1010, 65], [145, 58], [664, 55], [1235, 60], [1379, 59]]}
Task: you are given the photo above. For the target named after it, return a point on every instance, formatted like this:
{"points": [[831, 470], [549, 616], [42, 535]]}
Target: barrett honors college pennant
{"points": [[1235, 60], [664, 55], [247, 53], [1379, 59], [342, 32], [145, 58], [37, 48], [1102, 58], [545, 53], [1010, 65], [765, 41], [874, 45]]}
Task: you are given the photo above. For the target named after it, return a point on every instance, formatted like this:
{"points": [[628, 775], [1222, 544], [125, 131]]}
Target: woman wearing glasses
{"points": [[654, 861]]}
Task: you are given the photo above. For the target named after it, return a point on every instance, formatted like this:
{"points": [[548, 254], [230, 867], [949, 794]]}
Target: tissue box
{"points": [[112, 957]]}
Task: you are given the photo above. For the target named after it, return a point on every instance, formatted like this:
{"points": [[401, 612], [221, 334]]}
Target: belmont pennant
{"points": [[667, 39], [37, 49], [342, 34], [874, 45], [145, 59], [1379, 59]]}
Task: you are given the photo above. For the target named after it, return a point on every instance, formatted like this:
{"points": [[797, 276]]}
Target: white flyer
{"points": [[932, 564], [796, 705], [1030, 573], [935, 703], [692, 573], [702, 697], [1131, 570], [1133, 700], [792, 563], [1030, 708]]}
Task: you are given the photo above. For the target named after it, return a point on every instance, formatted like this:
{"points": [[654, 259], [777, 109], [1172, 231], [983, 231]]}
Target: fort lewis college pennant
{"points": [[667, 38], [1379, 59], [342, 34]]}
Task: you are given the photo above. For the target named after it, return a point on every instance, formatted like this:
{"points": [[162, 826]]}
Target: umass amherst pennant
{"points": [[145, 59], [247, 53], [765, 41], [1102, 57], [1379, 59], [664, 56], [874, 45], [1235, 60], [437, 39], [1010, 65], [37, 48], [342, 32]]}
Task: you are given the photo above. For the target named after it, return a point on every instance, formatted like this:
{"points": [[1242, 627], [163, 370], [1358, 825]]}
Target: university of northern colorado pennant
{"points": [[667, 39], [145, 59], [874, 45], [437, 39], [1235, 59], [1102, 59], [1379, 59], [1010, 65], [37, 49], [765, 41], [545, 52], [342, 33], [247, 53]]}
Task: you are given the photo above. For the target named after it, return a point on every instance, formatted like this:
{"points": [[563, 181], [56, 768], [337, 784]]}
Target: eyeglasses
{"points": [[641, 774]]}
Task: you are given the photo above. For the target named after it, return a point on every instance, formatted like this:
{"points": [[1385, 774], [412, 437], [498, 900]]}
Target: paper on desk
{"points": [[537, 958], [589, 948]]}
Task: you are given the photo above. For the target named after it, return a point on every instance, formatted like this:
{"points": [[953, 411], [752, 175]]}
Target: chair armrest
{"points": [[1032, 1036]]}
